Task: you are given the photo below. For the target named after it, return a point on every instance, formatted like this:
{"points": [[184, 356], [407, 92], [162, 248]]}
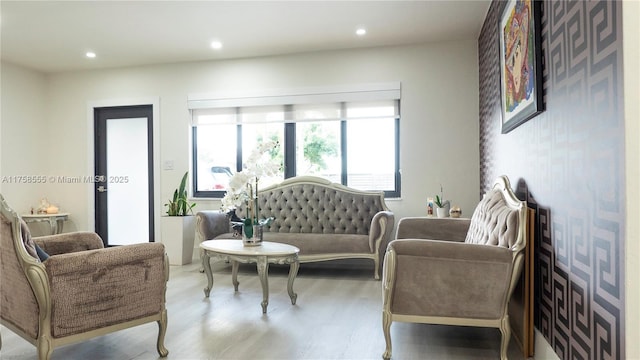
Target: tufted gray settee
{"points": [[326, 221], [457, 271]]}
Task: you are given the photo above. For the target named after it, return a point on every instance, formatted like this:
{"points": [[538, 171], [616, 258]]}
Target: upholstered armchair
{"points": [[82, 290], [457, 271]]}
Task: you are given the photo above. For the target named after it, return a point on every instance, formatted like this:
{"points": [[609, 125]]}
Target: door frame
{"points": [[155, 103]]}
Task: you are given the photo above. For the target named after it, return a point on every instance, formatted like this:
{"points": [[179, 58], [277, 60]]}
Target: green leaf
{"points": [[439, 202], [179, 204], [248, 228]]}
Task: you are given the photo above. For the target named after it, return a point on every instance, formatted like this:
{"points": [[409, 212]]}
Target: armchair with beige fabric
{"points": [[82, 290], [457, 271]]}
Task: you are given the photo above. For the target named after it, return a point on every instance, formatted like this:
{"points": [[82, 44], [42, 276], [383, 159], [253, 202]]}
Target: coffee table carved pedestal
{"points": [[263, 255]]}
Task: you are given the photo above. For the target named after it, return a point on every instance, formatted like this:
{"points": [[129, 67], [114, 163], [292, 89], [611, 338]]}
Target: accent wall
{"points": [[569, 164]]}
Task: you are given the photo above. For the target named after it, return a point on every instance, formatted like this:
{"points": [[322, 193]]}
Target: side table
{"points": [[56, 221]]}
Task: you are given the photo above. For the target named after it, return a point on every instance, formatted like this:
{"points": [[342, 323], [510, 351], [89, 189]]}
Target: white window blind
{"points": [[344, 103]]}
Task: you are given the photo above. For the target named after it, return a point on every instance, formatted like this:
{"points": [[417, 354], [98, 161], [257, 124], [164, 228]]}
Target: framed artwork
{"points": [[520, 63]]}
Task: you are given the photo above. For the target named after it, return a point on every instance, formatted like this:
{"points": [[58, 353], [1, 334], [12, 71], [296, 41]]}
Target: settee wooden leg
{"points": [[505, 330], [162, 330], [386, 328]]}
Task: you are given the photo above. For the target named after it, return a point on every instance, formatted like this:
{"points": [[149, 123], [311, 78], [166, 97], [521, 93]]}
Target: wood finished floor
{"points": [[337, 316]]}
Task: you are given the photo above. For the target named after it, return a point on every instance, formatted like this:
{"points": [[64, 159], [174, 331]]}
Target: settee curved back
{"points": [[498, 217], [307, 204]]}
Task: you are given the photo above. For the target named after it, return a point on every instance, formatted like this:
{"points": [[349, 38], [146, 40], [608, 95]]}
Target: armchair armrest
{"points": [[451, 250], [379, 237], [447, 279], [106, 286], [380, 230], [211, 223], [433, 228], [69, 242]]}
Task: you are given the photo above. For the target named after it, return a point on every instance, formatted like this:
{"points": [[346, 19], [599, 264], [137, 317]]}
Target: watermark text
{"points": [[63, 179]]}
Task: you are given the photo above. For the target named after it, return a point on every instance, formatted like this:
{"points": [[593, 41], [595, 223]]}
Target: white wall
{"points": [[24, 145], [439, 125], [631, 60]]}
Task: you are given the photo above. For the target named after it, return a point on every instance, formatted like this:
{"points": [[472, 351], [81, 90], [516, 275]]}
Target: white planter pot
{"points": [[178, 233], [442, 212]]}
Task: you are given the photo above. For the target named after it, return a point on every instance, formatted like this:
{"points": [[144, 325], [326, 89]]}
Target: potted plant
{"points": [[243, 191], [442, 206], [179, 204], [178, 227]]}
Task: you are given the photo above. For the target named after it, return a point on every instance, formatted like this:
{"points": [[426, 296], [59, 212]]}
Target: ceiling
{"points": [[53, 36]]}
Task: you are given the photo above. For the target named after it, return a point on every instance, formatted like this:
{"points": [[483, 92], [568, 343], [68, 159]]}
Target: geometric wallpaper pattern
{"points": [[568, 163]]}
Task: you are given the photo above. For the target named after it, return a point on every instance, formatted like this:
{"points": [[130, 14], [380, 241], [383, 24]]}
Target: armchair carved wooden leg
{"points": [[44, 348], [388, 277], [162, 330], [386, 328]]}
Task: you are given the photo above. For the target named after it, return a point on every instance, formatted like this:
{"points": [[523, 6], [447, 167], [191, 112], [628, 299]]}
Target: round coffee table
{"points": [[263, 255]]}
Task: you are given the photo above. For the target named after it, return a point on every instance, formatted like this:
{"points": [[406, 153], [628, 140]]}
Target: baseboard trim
{"points": [[543, 350]]}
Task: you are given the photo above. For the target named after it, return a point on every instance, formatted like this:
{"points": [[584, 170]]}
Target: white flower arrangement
{"points": [[243, 185]]}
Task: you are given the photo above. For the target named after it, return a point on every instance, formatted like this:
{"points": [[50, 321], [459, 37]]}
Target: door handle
{"points": [[102, 188]]}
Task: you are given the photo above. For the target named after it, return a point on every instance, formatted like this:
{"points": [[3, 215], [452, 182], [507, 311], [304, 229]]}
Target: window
{"points": [[355, 143], [318, 151]]}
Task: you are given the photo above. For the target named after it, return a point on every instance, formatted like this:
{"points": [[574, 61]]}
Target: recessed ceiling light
{"points": [[90, 54], [216, 44], [361, 31]]}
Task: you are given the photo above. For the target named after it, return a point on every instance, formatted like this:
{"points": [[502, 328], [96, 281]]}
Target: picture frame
{"points": [[520, 63]]}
